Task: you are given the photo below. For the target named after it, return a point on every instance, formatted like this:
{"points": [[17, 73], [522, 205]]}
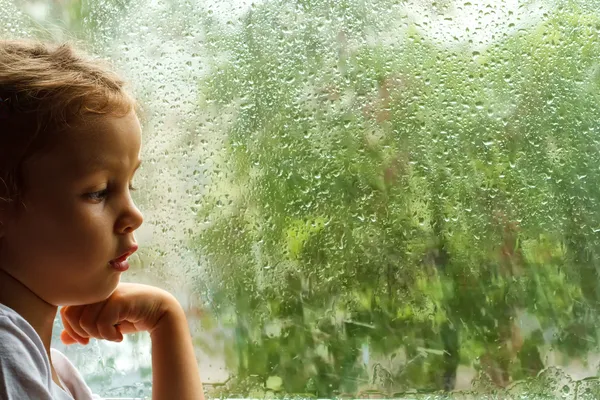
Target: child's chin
{"points": [[101, 294], [110, 290]]}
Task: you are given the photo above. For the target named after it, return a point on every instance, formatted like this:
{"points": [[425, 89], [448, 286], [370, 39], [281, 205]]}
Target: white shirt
{"points": [[25, 371]]}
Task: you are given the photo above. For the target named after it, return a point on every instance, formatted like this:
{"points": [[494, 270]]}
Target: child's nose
{"points": [[131, 219]]}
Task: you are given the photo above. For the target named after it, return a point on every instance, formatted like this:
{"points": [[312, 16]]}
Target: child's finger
{"points": [[66, 338], [69, 330], [88, 319], [126, 327], [70, 319], [109, 324]]}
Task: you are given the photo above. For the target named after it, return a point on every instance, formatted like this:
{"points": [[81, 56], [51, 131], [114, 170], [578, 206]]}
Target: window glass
{"points": [[360, 197]]}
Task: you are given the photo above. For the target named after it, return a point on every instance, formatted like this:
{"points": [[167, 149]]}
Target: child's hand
{"points": [[131, 308]]}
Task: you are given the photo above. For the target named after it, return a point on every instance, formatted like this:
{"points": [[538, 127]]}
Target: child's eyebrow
{"points": [[103, 163]]}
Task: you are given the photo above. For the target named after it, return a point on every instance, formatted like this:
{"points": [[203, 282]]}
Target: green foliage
{"points": [[392, 209]]}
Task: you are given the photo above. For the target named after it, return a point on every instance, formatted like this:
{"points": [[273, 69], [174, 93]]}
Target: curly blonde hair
{"points": [[44, 88]]}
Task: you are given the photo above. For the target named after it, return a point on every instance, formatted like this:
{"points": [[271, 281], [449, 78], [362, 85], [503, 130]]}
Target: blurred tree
{"points": [[385, 201]]}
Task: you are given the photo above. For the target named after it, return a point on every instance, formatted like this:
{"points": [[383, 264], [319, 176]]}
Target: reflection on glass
{"points": [[363, 197]]}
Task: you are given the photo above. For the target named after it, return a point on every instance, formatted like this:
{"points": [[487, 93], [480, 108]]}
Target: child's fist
{"points": [[130, 308]]}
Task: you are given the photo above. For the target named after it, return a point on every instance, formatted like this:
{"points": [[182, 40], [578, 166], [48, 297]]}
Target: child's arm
{"points": [[141, 308], [175, 372]]}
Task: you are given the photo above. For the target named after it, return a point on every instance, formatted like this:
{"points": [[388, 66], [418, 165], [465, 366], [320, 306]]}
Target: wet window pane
{"points": [[360, 197]]}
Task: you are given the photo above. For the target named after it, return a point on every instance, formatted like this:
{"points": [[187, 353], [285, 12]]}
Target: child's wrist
{"points": [[172, 313]]}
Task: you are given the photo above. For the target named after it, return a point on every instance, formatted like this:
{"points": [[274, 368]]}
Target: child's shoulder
{"points": [[12, 324], [9, 313], [24, 363], [18, 338], [24, 368]]}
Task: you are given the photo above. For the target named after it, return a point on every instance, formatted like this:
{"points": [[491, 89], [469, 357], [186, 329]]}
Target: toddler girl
{"points": [[70, 143]]}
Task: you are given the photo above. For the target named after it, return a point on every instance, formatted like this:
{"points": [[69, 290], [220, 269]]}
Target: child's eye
{"points": [[97, 196], [102, 194]]}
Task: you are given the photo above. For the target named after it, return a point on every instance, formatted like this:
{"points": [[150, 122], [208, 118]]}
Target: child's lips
{"points": [[129, 252], [122, 258], [121, 263]]}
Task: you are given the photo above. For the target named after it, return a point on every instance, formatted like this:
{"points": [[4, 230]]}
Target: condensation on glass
{"points": [[360, 197]]}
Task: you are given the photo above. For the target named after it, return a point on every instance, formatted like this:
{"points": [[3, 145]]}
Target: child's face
{"points": [[79, 213]]}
